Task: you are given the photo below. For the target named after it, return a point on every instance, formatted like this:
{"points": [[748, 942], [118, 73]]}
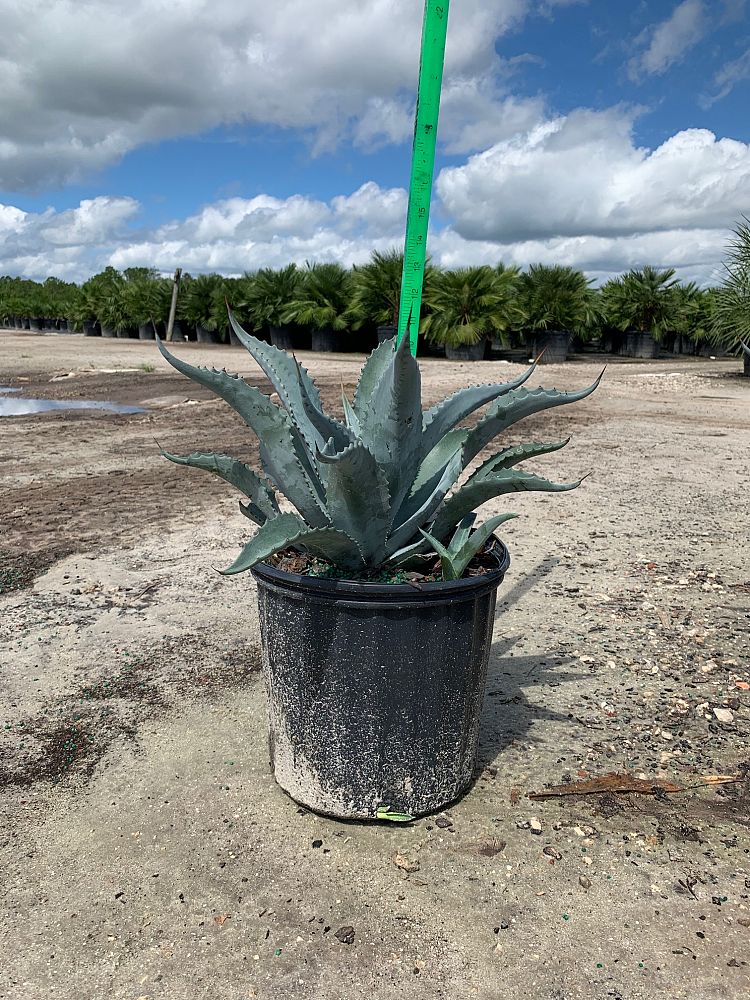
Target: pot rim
{"points": [[440, 590]]}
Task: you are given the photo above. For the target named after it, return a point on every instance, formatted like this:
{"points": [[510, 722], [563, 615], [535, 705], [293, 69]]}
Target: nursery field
{"points": [[147, 854]]}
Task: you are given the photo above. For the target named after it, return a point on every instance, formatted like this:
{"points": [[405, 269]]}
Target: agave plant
{"points": [[366, 488]]}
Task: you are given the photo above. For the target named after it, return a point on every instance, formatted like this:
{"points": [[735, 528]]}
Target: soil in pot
{"points": [[555, 345], [467, 352], [375, 690]]}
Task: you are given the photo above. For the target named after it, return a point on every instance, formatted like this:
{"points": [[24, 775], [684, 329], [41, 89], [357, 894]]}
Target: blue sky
{"points": [[592, 133]]}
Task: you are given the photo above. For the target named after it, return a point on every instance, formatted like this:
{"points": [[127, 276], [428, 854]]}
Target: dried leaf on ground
{"points": [[489, 848], [625, 784], [221, 919]]}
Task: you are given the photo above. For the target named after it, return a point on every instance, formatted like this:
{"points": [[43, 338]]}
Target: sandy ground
{"points": [[146, 852]]}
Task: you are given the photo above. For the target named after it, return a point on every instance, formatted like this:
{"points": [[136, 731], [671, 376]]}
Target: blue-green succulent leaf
{"points": [[357, 498], [289, 529], [509, 409], [262, 505], [390, 420], [444, 416], [402, 535], [509, 457], [478, 491], [283, 454]]}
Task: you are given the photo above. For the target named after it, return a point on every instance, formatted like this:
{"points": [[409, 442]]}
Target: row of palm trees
{"points": [[465, 310]]}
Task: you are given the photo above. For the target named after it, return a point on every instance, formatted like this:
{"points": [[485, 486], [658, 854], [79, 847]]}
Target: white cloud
{"points": [[581, 175], [670, 40], [83, 83], [727, 78]]}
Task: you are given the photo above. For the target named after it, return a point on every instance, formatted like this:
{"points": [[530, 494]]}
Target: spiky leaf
{"points": [[444, 416], [401, 535], [478, 491], [464, 545], [357, 498], [509, 457], [289, 529], [509, 409], [297, 391], [282, 448], [262, 505], [390, 421]]}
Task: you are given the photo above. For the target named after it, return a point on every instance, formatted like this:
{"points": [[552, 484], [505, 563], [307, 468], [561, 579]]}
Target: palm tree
{"points": [[376, 291], [321, 301], [731, 318], [466, 306], [557, 301], [265, 297]]}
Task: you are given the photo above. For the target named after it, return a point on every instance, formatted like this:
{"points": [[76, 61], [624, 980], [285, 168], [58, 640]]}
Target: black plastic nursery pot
{"points": [[205, 336], [467, 352], [91, 328], [146, 331], [639, 345], [108, 331], [328, 341], [375, 690], [281, 337], [36, 323], [386, 333], [554, 343]]}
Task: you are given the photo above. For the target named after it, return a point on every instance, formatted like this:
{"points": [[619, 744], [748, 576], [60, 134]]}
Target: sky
{"points": [[218, 135]]}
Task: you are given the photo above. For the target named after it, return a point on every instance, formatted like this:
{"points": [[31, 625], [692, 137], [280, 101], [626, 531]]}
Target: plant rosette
{"points": [[376, 593]]}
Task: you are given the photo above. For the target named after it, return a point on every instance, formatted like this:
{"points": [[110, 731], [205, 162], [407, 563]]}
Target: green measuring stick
{"points": [[434, 27]]}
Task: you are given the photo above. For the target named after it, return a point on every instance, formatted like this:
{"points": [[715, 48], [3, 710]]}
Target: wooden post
{"points": [[173, 306]]}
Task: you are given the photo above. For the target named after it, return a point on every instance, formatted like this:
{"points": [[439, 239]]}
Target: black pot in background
{"points": [[205, 336], [746, 366], [637, 344], [375, 691], [281, 337], [554, 343], [467, 352], [329, 341], [91, 328], [128, 333], [234, 340], [386, 333], [36, 323], [108, 331], [146, 331]]}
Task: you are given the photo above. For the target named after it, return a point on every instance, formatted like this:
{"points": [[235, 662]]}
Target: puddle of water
{"points": [[5, 389], [17, 407]]}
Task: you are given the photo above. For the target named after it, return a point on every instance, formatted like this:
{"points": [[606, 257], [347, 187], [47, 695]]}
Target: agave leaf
{"points": [[290, 529], [262, 506], [463, 532], [283, 454], [435, 461], [444, 416], [478, 491], [372, 372], [509, 457], [411, 556], [352, 420], [477, 540], [297, 391], [518, 404], [401, 535], [390, 419], [357, 497], [447, 562]]}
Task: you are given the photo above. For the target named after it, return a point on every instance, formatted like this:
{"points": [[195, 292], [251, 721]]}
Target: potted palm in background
{"points": [[731, 315], [197, 304], [264, 301], [467, 306], [376, 293], [557, 303], [321, 301], [640, 304]]}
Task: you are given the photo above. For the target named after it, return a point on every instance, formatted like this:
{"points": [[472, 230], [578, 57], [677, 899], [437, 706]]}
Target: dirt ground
{"points": [[145, 850]]}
